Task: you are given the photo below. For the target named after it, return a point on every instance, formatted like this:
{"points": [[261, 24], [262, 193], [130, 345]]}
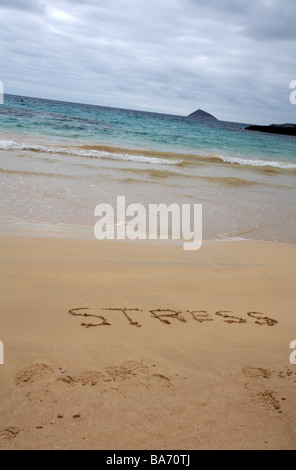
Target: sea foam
{"points": [[153, 160], [76, 151]]}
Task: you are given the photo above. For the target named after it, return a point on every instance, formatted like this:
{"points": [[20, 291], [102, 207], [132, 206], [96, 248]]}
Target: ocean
{"points": [[60, 160]]}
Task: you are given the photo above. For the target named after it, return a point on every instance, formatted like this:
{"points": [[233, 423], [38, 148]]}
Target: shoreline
{"points": [[186, 350], [35, 229]]}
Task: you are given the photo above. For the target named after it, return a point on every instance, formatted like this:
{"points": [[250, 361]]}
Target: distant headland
{"points": [[200, 114], [286, 129]]}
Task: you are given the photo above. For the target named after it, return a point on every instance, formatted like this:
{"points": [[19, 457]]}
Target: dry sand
{"points": [[210, 376]]}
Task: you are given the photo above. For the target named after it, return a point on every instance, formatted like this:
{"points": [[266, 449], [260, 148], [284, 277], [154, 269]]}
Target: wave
{"points": [[240, 161], [148, 156], [83, 152], [259, 163]]}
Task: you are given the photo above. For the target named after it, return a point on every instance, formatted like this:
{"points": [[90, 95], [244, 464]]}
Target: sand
{"points": [[191, 367]]}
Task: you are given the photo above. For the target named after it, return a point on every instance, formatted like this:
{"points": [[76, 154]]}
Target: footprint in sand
{"points": [[61, 393], [89, 378], [127, 370], [9, 433], [257, 372], [286, 373], [164, 381], [93, 378], [269, 399], [33, 373], [266, 397]]}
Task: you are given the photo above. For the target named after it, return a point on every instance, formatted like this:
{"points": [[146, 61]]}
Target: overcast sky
{"points": [[232, 58]]}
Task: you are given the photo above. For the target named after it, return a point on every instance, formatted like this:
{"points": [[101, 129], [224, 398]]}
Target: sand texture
{"points": [[126, 346]]}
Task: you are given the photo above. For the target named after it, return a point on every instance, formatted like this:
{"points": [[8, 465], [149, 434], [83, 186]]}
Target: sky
{"points": [[233, 58]]}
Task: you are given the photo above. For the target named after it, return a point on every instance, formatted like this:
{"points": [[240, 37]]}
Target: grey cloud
{"points": [[269, 20], [25, 5], [172, 56]]}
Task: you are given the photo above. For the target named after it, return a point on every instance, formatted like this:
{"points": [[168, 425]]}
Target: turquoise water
{"points": [[59, 160], [77, 123]]}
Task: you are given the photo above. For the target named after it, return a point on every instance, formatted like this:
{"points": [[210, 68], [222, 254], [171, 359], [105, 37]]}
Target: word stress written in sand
{"points": [[166, 316]]}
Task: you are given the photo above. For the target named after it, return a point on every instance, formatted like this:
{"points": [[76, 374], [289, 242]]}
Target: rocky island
{"points": [[202, 115], [286, 129]]}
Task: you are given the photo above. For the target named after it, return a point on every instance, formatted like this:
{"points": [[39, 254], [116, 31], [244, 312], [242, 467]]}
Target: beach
{"points": [[147, 228], [119, 345]]}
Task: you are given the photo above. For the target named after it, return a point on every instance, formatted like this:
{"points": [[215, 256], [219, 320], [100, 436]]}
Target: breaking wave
{"points": [[145, 156], [89, 153]]}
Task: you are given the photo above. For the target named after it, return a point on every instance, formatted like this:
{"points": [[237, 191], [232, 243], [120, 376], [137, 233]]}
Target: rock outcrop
{"points": [[286, 129], [202, 115]]}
